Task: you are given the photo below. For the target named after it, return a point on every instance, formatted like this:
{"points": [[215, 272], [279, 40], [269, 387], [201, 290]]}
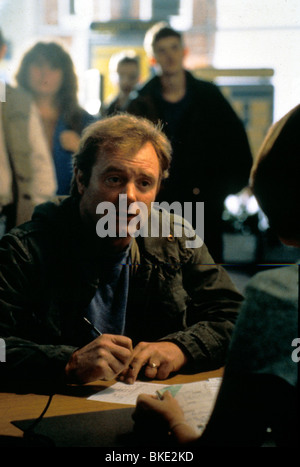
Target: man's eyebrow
{"points": [[117, 169], [112, 168]]}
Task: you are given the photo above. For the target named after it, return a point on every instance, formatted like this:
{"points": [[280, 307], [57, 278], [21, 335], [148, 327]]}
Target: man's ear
{"points": [[79, 180]]}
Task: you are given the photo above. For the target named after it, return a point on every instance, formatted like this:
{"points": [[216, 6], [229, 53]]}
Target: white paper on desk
{"points": [[196, 399], [121, 393]]}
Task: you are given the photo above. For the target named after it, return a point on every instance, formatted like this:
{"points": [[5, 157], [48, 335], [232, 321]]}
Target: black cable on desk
{"points": [[34, 439]]}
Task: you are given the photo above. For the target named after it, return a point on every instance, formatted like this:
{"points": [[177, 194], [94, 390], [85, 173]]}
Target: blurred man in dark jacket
{"points": [[211, 154]]}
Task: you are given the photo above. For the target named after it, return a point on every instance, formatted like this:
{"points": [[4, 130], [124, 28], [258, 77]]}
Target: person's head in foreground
{"points": [[275, 182], [275, 177]]}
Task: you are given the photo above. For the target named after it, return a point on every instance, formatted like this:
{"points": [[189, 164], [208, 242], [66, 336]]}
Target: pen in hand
{"points": [[98, 332], [92, 326]]}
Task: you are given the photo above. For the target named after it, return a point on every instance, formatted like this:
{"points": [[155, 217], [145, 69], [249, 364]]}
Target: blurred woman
{"points": [[47, 73]]}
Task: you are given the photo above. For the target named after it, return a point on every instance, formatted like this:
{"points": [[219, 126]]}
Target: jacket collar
{"points": [[81, 249], [154, 84]]}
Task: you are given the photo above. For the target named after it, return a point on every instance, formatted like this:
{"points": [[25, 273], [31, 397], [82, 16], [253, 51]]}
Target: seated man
{"points": [[259, 388], [158, 305]]}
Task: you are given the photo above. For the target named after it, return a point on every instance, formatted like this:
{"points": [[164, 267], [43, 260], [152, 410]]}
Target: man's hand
{"points": [[103, 358], [159, 359]]}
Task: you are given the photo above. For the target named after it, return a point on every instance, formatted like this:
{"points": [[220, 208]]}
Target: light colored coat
{"points": [[34, 178]]}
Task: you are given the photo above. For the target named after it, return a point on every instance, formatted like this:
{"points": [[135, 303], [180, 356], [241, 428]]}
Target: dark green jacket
{"points": [[49, 273]]}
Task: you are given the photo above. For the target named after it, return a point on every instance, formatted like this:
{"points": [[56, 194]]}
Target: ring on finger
{"points": [[153, 365]]}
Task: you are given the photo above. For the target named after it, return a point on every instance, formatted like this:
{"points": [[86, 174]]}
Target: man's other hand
{"points": [[159, 359], [102, 359]]}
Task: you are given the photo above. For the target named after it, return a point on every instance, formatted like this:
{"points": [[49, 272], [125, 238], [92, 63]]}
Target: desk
{"points": [[29, 406]]}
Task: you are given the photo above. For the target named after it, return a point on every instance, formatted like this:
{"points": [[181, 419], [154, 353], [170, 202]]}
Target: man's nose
{"points": [[130, 191]]}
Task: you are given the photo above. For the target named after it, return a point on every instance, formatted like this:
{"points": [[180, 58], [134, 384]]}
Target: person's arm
{"points": [[233, 146], [211, 312], [70, 140], [70, 137], [245, 407], [22, 325], [34, 350], [202, 342]]}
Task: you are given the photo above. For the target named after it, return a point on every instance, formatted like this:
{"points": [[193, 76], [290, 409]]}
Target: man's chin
{"points": [[128, 225], [119, 243]]}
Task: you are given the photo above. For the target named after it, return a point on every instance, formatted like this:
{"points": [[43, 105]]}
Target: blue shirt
{"points": [[107, 310]]}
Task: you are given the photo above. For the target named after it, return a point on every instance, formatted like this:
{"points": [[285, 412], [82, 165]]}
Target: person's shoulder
{"points": [[151, 85], [17, 91], [60, 209], [46, 239], [77, 119], [86, 117], [109, 107], [200, 82], [144, 103], [17, 99], [45, 217], [51, 224], [169, 235], [267, 324], [209, 94], [205, 93], [278, 283]]}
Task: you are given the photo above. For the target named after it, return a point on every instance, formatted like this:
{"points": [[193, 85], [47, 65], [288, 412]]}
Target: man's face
{"points": [[136, 176], [128, 75], [169, 54]]}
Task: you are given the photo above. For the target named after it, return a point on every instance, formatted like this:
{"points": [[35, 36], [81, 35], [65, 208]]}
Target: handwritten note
{"points": [[196, 399], [120, 393]]}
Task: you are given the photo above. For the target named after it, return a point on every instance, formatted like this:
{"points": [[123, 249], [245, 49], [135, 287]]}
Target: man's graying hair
{"points": [[122, 134]]}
